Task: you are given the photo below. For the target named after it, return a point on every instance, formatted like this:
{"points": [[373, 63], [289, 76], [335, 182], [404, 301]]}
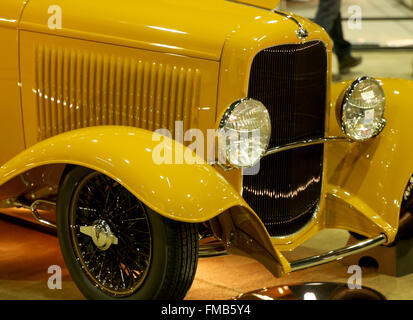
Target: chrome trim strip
{"points": [[304, 143], [338, 254], [301, 33], [229, 110], [35, 213]]}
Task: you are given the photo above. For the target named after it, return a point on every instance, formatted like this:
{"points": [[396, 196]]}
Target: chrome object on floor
{"points": [[313, 291]]}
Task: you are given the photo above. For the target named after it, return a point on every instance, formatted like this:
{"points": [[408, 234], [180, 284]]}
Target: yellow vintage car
{"points": [[96, 97]]}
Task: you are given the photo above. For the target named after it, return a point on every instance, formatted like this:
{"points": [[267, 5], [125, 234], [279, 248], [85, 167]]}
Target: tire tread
{"points": [[183, 259]]}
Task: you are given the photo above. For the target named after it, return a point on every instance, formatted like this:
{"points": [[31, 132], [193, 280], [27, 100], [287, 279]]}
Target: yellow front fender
{"points": [[367, 179], [184, 192]]}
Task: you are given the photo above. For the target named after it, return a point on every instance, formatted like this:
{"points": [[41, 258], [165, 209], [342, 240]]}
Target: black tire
{"points": [[173, 245]]}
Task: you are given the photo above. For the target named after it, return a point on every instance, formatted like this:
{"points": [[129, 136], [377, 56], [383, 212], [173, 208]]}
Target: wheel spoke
{"points": [[106, 209]]}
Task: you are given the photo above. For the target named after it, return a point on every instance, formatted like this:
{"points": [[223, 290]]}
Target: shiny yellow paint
{"points": [[269, 4], [337, 209], [11, 129], [10, 11], [266, 29], [363, 182], [183, 192], [183, 27], [188, 192], [241, 33], [89, 92], [368, 179]]}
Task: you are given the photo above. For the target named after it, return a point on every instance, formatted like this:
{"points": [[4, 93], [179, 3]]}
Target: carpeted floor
{"points": [[26, 254]]}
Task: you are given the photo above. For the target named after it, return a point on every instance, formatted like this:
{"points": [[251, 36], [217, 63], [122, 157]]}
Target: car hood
{"points": [[267, 4], [186, 27]]}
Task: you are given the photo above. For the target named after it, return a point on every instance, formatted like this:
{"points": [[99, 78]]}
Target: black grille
{"points": [[291, 82]]}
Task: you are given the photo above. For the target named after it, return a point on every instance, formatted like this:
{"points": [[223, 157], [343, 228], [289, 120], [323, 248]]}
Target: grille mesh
{"points": [[291, 81]]}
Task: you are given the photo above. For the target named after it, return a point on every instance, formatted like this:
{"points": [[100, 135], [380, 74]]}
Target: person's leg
{"points": [[329, 17], [327, 13], [342, 48]]}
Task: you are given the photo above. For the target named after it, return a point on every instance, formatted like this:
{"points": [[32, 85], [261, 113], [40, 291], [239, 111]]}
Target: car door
{"points": [[11, 127]]}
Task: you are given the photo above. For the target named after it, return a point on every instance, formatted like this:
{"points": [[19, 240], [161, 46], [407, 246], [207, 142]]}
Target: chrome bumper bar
{"points": [[305, 143], [338, 254]]}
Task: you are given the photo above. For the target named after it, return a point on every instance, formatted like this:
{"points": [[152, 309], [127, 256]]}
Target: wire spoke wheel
{"points": [[116, 247], [103, 210]]}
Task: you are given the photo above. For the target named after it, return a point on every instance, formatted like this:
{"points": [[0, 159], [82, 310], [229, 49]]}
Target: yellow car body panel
{"points": [[238, 52], [183, 192], [266, 29], [369, 178], [365, 181], [268, 4], [203, 51], [187, 192], [61, 105], [183, 27], [11, 130]]}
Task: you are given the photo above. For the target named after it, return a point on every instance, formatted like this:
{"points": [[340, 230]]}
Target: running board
{"points": [[337, 254]]}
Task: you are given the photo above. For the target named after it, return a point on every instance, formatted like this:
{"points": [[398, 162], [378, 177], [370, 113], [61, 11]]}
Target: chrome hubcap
{"points": [[101, 234]]}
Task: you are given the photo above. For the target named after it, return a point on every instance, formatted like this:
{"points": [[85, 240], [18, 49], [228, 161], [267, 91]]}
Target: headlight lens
{"points": [[362, 115], [244, 132]]}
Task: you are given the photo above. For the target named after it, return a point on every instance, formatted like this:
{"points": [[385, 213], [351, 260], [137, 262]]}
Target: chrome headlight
{"points": [[244, 132], [362, 111]]}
